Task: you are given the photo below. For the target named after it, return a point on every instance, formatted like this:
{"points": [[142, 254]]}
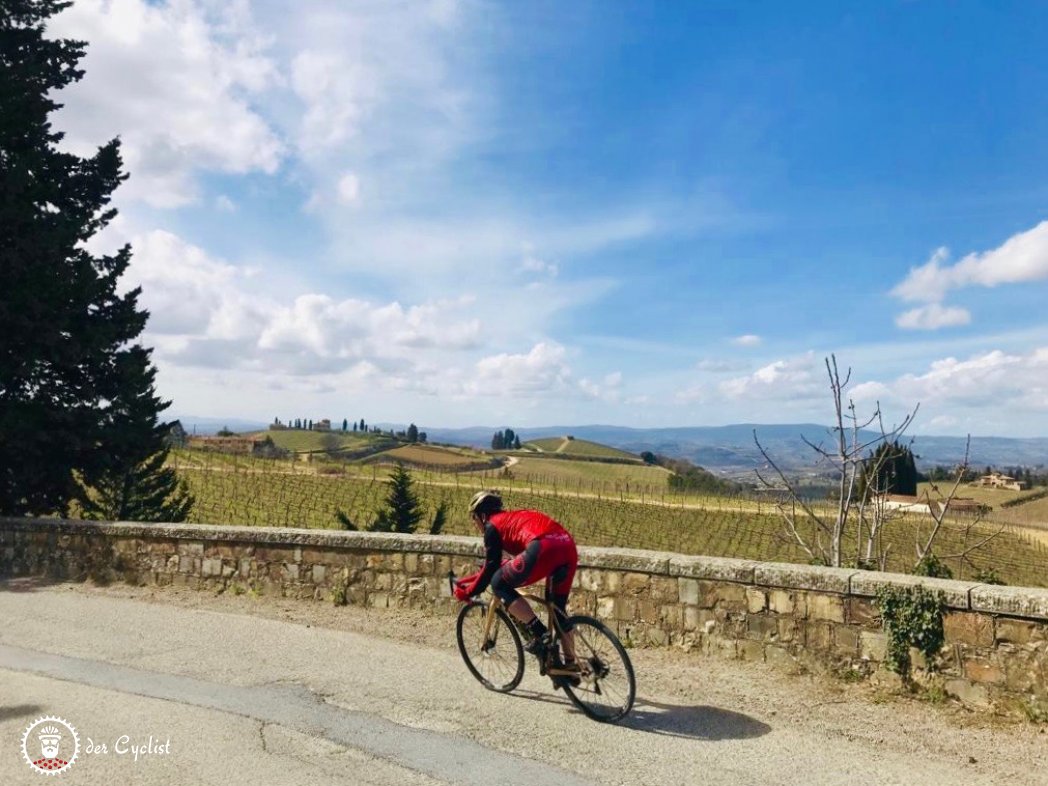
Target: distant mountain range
{"points": [[727, 449]]}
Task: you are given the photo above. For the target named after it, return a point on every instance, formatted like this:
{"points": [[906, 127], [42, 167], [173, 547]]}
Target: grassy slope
{"points": [[579, 447], [430, 455], [299, 440], [989, 496]]}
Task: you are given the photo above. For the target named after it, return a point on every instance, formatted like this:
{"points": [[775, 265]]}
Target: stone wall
{"points": [[792, 616]]}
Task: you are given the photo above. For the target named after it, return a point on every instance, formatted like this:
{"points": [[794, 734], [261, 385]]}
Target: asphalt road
{"points": [[245, 698]]}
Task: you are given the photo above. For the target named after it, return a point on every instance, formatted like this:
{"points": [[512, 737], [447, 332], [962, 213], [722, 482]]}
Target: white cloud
{"points": [[748, 340], [932, 317], [205, 312], [348, 189], [1020, 259], [543, 369], [533, 264], [183, 104], [788, 380], [992, 379], [715, 366], [609, 389], [225, 204]]}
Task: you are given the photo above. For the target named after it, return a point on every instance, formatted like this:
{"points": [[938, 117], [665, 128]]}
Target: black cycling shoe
{"points": [[538, 646]]}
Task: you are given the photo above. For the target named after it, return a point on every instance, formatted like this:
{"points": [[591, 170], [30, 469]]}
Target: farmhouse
{"points": [[322, 425], [999, 481]]}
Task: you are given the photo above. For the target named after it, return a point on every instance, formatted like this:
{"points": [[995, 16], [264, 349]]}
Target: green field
{"points": [[303, 441], [259, 493], [590, 476], [578, 447], [450, 459], [988, 496]]}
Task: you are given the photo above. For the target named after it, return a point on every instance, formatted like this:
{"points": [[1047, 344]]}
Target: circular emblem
{"points": [[50, 745]]}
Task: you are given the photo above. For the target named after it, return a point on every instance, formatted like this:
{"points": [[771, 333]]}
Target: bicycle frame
{"points": [[553, 624]]}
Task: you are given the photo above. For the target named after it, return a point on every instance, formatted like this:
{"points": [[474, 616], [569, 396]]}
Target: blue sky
{"points": [[464, 213]]}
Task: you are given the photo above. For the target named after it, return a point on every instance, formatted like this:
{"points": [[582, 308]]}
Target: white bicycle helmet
{"points": [[485, 502]]}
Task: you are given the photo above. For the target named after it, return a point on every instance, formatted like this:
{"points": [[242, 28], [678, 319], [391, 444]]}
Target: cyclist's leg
{"points": [[516, 573]]}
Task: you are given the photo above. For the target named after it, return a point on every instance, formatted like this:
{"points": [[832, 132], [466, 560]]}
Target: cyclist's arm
{"points": [[492, 558]]}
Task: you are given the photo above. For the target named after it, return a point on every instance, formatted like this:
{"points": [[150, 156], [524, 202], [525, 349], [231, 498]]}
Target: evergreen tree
{"points": [[422, 436], [132, 483], [74, 385], [345, 424], [402, 512], [354, 427], [363, 425], [890, 469], [440, 518], [412, 433], [498, 442], [516, 443]]}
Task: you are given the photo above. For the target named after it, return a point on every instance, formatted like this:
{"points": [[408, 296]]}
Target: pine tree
{"points": [[412, 433], [345, 424], [74, 385], [402, 512], [516, 443], [132, 483], [440, 518]]}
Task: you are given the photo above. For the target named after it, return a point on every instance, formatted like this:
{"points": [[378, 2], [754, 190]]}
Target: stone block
{"points": [[647, 611], [672, 616], [756, 600], [588, 580], [1014, 601], [636, 583], [867, 582], [873, 646], [693, 618], [688, 591], [963, 627], [193, 547], [761, 628], [606, 607], [968, 693], [625, 560], [1018, 632], [864, 612], [846, 640], [789, 630], [781, 659], [658, 637], [983, 671], [185, 564], [783, 602], [319, 574], [803, 577], [411, 563], [722, 595], [663, 589], [750, 650], [825, 607], [378, 600], [818, 636], [714, 568]]}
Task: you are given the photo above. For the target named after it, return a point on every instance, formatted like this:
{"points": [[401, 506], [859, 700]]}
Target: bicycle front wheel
{"points": [[607, 687], [497, 660]]}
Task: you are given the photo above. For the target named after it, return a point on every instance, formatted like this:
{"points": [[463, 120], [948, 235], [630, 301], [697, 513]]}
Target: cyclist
{"points": [[541, 548]]}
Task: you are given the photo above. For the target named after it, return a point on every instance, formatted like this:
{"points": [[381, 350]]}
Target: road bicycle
{"points": [[489, 639]]}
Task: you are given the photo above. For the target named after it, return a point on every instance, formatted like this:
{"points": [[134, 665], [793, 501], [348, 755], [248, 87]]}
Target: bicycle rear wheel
{"points": [[498, 662], [607, 686]]}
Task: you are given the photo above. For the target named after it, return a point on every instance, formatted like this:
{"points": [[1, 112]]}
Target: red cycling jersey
{"points": [[518, 528]]}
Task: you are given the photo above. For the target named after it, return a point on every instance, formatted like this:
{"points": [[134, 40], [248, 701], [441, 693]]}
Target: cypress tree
{"points": [[73, 384], [402, 512]]}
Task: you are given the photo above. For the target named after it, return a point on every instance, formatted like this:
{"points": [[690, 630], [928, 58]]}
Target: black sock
{"points": [[536, 628]]}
